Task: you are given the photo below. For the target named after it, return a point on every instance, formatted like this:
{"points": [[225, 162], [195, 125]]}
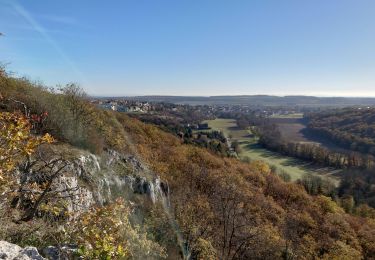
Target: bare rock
{"points": [[9, 251]]}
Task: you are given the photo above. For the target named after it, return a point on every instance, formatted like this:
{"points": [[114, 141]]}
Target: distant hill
{"points": [[262, 100]]}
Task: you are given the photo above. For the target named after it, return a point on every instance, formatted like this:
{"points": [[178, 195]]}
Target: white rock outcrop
{"points": [[9, 251]]}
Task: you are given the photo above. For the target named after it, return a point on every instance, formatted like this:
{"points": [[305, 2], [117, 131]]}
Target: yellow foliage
{"points": [[260, 167], [205, 250], [328, 205], [342, 251], [16, 143], [106, 233]]}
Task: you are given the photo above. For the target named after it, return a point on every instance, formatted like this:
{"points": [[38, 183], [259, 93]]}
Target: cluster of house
{"points": [[260, 111], [124, 105]]}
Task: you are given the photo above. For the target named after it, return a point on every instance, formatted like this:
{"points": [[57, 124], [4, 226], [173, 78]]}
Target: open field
{"points": [[293, 132], [294, 129], [294, 115], [250, 148]]}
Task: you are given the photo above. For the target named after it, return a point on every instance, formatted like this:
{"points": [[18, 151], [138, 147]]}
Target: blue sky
{"points": [[194, 47]]}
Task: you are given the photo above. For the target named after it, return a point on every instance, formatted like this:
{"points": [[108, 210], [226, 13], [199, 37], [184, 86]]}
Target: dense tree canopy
{"points": [[244, 210], [351, 128]]}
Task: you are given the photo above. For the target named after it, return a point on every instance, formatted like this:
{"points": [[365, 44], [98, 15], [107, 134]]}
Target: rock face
{"points": [[127, 175], [89, 180], [10, 251], [65, 252]]}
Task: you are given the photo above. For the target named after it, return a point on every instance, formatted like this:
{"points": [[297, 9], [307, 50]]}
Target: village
{"points": [[123, 105], [131, 105]]}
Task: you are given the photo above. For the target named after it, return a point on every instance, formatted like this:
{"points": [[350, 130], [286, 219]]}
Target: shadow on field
{"points": [[234, 128], [293, 162]]}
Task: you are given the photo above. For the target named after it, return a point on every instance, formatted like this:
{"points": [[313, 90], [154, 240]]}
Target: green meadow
{"points": [[250, 149]]}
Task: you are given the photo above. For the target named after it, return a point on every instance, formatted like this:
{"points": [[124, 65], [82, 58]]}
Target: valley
{"points": [[251, 149], [167, 177], [187, 130]]}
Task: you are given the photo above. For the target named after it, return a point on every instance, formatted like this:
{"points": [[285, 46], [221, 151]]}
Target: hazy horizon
{"points": [[194, 48], [224, 95]]}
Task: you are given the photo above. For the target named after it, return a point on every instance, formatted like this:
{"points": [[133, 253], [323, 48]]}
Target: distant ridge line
{"points": [[265, 100]]}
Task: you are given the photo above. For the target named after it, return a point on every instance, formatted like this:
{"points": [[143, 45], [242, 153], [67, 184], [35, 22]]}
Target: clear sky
{"points": [[194, 47]]}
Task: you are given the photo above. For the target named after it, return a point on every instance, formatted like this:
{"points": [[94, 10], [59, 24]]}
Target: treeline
{"points": [[355, 192], [186, 114], [360, 184], [350, 128], [357, 186], [166, 123], [270, 137], [215, 141], [243, 120]]}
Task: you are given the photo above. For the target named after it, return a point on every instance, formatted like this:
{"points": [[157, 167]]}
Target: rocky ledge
{"points": [[10, 251]]}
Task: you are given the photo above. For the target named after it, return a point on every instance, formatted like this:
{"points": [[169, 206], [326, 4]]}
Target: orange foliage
{"points": [[233, 205]]}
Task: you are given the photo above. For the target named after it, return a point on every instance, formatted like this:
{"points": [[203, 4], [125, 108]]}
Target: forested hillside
{"points": [[354, 130], [213, 207], [351, 128], [244, 210]]}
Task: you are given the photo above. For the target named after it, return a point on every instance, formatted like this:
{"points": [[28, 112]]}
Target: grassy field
{"points": [[293, 128], [295, 115], [249, 148]]}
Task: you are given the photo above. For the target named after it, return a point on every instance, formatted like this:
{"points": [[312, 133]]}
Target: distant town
{"points": [[141, 106]]}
